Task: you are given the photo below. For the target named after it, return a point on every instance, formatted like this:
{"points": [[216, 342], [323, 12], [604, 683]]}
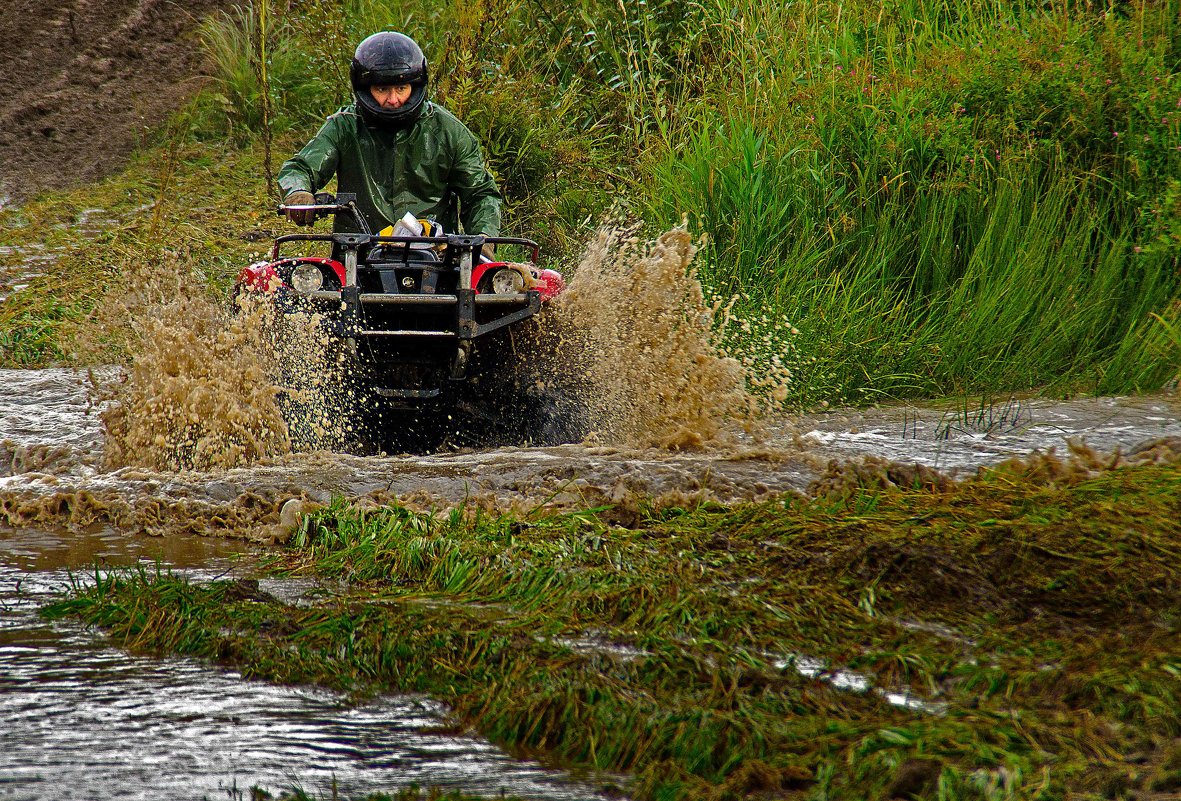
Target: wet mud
{"points": [[84, 80], [17, 274], [22, 264], [52, 472]]}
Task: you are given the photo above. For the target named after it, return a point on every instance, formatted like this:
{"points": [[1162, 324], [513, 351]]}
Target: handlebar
{"points": [[346, 203], [326, 204], [356, 241]]}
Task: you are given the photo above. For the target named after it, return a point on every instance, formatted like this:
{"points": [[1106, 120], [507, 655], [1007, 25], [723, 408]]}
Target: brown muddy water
{"points": [[83, 720]]}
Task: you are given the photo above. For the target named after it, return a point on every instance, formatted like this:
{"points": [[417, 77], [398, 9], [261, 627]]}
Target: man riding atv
{"points": [[434, 340], [395, 150]]}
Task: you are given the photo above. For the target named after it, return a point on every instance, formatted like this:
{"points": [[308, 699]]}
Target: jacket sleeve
{"points": [[479, 198], [312, 167]]}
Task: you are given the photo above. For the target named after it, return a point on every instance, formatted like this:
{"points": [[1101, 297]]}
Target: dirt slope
{"points": [[82, 78]]}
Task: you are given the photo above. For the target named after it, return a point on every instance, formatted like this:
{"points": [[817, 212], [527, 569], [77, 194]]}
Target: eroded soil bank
{"points": [[85, 81]]}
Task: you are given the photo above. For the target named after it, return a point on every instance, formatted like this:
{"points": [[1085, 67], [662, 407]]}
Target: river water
{"points": [[51, 451], [83, 720]]}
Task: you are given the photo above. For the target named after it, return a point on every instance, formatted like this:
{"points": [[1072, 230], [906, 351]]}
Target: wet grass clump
{"points": [[998, 638]]}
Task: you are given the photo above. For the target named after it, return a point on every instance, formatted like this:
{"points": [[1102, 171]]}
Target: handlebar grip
{"points": [[318, 211]]}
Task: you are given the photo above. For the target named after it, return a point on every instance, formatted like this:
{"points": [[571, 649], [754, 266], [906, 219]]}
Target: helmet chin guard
{"points": [[389, 59]]}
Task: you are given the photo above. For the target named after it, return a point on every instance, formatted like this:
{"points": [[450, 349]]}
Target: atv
{"points": [[437, 344]]}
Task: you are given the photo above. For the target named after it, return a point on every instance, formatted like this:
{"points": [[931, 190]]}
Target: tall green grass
{"points": [[942, 196], [947, 198], [1018, 277], [236, 42]]}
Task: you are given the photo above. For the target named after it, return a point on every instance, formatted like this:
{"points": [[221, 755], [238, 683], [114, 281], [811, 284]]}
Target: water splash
{"points": [[646, 341], [197, 394], [309, 369], [210, 389]]}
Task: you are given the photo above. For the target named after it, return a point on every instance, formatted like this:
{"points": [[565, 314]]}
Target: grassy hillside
{"points": [[943, 198]]}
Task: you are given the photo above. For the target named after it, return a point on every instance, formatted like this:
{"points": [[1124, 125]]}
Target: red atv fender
{"points": [[548, 283], [264, 276]]}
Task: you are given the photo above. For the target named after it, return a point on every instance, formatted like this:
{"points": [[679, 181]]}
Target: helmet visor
{"points": [[390, 75]]}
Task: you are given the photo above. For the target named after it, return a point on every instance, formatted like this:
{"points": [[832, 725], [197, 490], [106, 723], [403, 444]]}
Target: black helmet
{"points": [[389, 59]]}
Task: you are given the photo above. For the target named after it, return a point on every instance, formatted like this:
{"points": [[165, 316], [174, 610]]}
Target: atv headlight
{"points": [[306, 279], [507, 282]]}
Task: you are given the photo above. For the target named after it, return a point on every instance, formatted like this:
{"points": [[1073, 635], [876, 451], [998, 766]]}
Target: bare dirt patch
{"points": [[85, 79]]}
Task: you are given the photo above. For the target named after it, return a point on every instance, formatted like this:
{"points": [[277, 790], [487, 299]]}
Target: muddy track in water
{"points": [[84, 80], [51, 474]]}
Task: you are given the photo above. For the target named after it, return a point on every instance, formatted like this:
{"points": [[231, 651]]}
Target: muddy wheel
{"points": [[521, 409], [552, 417], [528, 390]]}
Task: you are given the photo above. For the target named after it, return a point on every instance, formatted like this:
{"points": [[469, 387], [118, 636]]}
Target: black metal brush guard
{"points": [[459, 254]]}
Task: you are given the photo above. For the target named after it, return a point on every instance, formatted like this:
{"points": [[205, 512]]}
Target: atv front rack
{"points": [[411, 307], [459, 252]]}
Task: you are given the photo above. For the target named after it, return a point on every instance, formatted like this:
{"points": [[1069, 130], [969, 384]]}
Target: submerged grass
{"points": [[412, 792], [1035, 628]]}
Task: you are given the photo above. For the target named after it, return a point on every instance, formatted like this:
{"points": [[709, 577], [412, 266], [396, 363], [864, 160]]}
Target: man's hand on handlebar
{"points": [[300, 216]]}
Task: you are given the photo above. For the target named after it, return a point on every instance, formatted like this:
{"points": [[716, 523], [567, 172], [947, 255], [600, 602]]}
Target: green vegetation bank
{"points": [[941, 197], [1012, 637]]}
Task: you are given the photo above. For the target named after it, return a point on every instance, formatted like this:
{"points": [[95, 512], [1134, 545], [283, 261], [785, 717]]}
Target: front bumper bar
{"points": [[465, 302]]}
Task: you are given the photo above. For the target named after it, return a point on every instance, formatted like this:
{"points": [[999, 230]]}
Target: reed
{"points": [[260, 73], [1025, 277]]}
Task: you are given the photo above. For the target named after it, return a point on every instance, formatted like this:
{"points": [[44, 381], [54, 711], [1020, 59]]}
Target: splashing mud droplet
{"points": [[642, 337], [208, 388], [197, 394], [308, 370]]}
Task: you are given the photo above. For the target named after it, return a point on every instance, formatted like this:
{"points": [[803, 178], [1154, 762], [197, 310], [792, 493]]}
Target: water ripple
{"points": [[83, 720]]}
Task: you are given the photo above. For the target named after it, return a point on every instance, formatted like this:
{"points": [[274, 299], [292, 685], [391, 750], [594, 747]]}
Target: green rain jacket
{"points": [[423, 169]]}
